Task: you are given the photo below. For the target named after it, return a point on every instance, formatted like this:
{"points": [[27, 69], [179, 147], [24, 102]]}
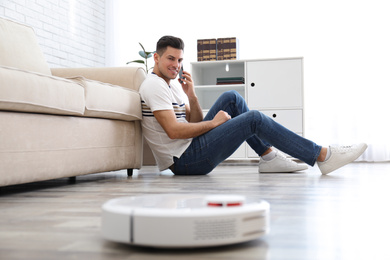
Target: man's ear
{"points": [[156, 57]]}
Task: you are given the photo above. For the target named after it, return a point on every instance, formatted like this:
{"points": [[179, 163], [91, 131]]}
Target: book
{"points": [[233, 48], [213, 49], [230, 80], [220, 49], [200, 50], [226, 49]]}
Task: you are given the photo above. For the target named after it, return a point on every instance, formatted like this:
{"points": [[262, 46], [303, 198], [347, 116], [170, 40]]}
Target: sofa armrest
{"points": [[128, 77]]}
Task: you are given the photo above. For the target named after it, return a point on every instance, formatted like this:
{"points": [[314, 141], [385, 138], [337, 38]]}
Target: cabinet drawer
{"points": [[291, 119]]}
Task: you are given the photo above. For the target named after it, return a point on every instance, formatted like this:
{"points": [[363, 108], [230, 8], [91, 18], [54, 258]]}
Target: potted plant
{"points": [[146, 55]]}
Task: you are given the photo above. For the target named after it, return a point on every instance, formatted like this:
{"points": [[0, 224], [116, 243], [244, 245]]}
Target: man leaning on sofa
{"points": [[57, 123]]}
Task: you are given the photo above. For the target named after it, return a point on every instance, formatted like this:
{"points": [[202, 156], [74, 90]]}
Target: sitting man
{"points": [[188, 144]]}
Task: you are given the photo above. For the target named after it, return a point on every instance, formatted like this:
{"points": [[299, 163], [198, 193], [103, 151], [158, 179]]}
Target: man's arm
{"points": [[179, 130], [193, 110]]}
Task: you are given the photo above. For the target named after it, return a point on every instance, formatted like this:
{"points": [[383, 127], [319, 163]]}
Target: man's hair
{"points": [[171, 41]]}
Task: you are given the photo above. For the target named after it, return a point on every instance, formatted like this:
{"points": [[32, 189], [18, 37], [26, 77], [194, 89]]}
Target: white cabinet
{"points": [[273, 86]]}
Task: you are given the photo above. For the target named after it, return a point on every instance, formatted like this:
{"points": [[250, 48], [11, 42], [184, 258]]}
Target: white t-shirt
{"points": [[157, 95]]}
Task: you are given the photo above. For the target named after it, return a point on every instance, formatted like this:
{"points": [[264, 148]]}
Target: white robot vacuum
{"points": [[178, 221]]}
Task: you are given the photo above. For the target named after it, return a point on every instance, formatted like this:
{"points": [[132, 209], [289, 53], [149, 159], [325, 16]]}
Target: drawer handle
{"points": [[252, 84], [274, 115]]}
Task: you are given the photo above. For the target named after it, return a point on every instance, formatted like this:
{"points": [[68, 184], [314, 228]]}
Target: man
{"points": [[184, 142]]}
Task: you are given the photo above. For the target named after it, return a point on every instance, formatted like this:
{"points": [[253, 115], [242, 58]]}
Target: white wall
{"points": [[345, 45], [70, 32]]}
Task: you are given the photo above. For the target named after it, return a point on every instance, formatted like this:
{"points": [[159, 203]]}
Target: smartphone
{"points": [[181, 74]]}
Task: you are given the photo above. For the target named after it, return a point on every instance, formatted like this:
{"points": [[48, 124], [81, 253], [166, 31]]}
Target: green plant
{"points": [[146, 55]]}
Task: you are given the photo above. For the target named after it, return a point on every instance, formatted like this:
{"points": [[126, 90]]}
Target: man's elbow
{"points": [[173, 135]]}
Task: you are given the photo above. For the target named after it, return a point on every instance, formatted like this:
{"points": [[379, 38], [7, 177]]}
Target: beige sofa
{"points": [[58, 123]]}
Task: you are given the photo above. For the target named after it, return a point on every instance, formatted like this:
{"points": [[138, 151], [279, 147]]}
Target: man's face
{"points": [[167, 65]]}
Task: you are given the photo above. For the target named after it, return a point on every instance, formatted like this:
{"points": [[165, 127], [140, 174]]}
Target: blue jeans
{"points": [[258, 130]]}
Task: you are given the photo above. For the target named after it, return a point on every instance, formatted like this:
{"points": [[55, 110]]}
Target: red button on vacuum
{"points": [[225, 200]]}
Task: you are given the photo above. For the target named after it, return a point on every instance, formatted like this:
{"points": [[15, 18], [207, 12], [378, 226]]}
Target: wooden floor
{"points": [[344, 215]]}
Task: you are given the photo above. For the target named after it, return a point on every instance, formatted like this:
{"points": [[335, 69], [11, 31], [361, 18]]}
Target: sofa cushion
{"points": [[26, 91], [19, 48], [128, 77], [110, 101]]}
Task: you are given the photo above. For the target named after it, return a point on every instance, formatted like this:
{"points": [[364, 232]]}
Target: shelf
{"points": [[229, 86], [213, 64], [206, 73], [208, 94]]}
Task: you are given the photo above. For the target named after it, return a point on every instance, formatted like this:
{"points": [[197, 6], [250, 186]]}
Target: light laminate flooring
{"points": [[344, 215]]}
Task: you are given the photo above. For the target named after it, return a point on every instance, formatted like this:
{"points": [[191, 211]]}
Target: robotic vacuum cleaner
{"points": [[184, 220]]}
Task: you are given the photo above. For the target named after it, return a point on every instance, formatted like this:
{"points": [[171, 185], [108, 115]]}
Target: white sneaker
{"points": [[340, 156], [280, 164]]}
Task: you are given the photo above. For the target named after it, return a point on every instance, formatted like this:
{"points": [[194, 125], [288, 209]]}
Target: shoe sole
{"points": [[304, 167]]}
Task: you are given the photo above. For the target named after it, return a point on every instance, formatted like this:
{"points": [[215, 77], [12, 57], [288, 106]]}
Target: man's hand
{"points": [[221, 117], [188, 85]]}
